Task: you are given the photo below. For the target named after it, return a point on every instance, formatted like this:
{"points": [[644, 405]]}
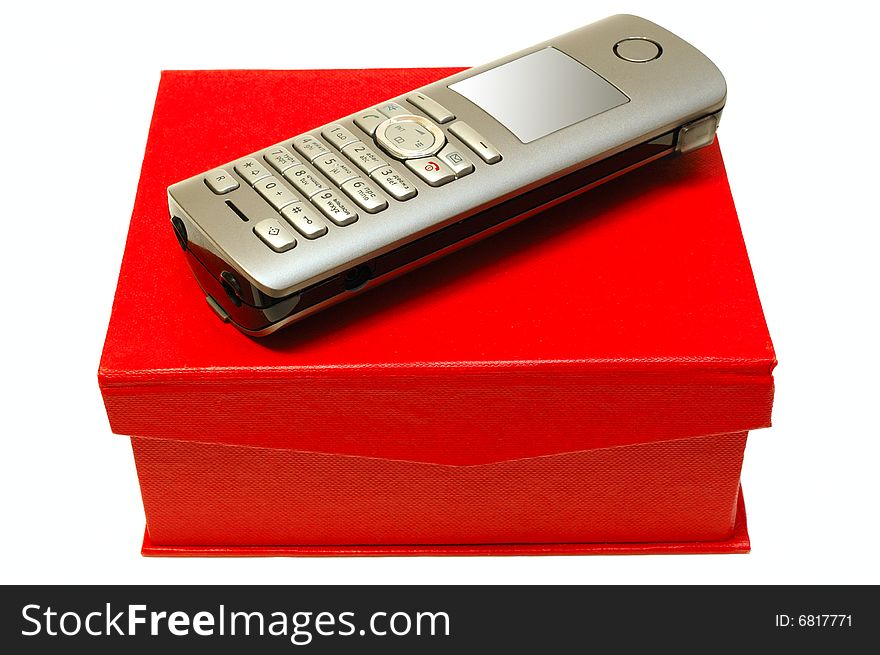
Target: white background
{"points": [[800, 142]]}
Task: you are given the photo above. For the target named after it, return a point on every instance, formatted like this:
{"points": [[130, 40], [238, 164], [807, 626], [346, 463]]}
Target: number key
{"points": [[393, 183], [335, 208], [275, 192], [310, 147], [335, 168], [281, 158], [364, 195], [304, 181], [338, 135], [363, 157]]}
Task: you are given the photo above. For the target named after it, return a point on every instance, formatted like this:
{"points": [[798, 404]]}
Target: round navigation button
{"points": [[408, 136], [637, 50]]}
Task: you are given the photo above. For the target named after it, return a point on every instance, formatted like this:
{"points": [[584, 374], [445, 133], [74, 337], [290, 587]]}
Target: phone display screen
{"points": [[540, 93]]}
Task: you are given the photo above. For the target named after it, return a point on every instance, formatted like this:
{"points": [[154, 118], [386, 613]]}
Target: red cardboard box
{"points": [[582, 382]]}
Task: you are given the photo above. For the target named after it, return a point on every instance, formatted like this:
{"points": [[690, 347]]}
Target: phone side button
{"points": [[222, 314], [699, 134], [637, 50]]}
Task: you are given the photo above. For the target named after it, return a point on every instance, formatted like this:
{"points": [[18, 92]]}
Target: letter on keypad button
{"points": [[305, 219], [431, 170], [338, 136], [221, 181], [335, 168], [394, 183], [275, 192], [364, 195], [364, 157], [281, 158], [309, 147], [304, 181], [251, 170], [275, 234], [335, 208]]}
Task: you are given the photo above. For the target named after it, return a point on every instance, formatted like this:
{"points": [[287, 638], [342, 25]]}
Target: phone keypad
{"points": [[354, 168], [221, 181]]}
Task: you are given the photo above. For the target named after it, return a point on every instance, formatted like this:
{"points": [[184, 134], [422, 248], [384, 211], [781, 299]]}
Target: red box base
{"points": [[737, 543], [228, 496]]}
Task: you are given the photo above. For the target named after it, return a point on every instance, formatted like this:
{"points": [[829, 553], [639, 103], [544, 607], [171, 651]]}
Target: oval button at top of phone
{"points": [[637, 49]]}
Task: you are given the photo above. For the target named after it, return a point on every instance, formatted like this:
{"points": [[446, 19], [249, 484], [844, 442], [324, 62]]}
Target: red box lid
{"points": [[625, 315]]}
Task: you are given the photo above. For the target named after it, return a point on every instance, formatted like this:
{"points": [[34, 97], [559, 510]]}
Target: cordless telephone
{"points": [[281, 233]]}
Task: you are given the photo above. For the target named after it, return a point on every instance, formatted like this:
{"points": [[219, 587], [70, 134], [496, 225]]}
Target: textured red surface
{"points": [[737, 542], [670, 491], [623, 317]]}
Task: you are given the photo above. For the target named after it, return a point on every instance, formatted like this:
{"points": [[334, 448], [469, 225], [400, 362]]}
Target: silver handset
{"points": [[281, 233]]}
